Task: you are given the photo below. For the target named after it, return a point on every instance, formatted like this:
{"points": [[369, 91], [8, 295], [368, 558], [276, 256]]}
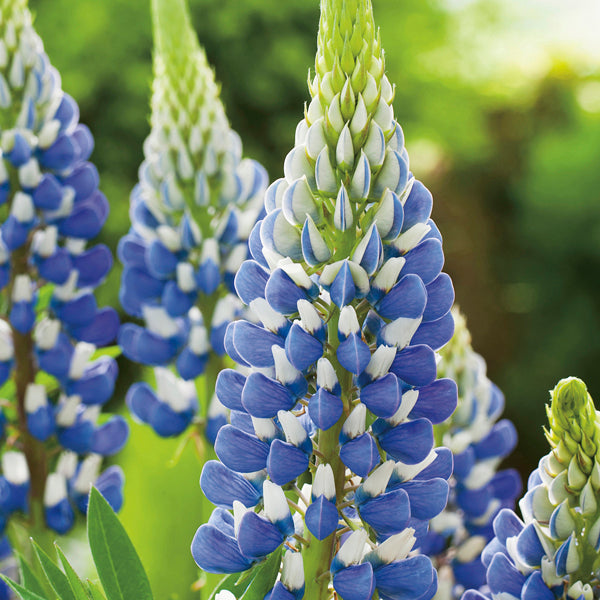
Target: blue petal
{"points": [[475, 502], [416, 365], [506, 525], [360, 454], [425, 260], [79, 311], [140, 400], [102, 330], [325, 409], [494, 547], [21, 151], [263, 397], [160, 261], [498, 443], [250, 281], [285, 462], [301, 348], [110, 437], [506, 485], [229, 388], [435, 334], [437, 401], [48, 194], [110, 484], [87, 218], [536, 589], [222, 486], [190, 365], [342, 289], [504, 577], [92, 265], [282, 293], [252, 343], [56, 268], [257, 536], [97, 384], [408, 442], [177, 302], [406, 299], [241, 452], [208, 277], [355, 582], [440, 467], [57, 360], [168, 422], [322, 518], [60, 517], [427, 497], [216, 552], [223, 520], [440, 298], [463, 463], [22, 316], [255, 246], [83, 179], [354, 354], [530, 547], [470, 574], [409, 578], [387, 513], [383, 396], [41, 423], [418, 205]]}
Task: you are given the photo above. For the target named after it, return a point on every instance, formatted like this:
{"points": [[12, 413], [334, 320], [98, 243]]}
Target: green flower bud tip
{"points": [[573, 422]]}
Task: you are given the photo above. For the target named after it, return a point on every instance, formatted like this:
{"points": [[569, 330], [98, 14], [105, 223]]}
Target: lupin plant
{"points": [[478, 490], [329, 459], [553, 553], [191, 214], [54, 381]]}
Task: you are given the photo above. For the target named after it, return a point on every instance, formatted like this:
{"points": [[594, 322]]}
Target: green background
{"points": [[501, 112]]}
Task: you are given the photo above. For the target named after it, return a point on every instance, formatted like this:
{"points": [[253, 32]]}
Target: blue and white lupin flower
{"points": [[478, 490], [333, 415], [553, 553], [51, 324], [191, 214]]}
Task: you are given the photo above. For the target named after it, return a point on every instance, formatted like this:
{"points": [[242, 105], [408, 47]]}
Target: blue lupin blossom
{"points": [[54, 380], [552, 553], [191, 214], [330, 446], [478, 490]]}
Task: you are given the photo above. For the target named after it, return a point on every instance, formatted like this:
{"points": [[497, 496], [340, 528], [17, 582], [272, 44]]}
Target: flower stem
{"points": [[318, 555]]}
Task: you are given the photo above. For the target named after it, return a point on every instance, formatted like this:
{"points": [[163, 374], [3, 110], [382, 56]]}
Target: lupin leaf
{"points": [[22, 592], [95, 590], [57, 579], [112, 351], [28, 577], [74, 581], [119, 567]]}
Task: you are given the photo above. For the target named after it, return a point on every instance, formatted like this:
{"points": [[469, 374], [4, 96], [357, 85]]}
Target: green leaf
{"points": [[28, 577], [74, 581], [44, 297], [119, 567], [255, 584], [50, 383], [95, 590], [8, 389], [58, 580], [112, 351], [23, 593]]}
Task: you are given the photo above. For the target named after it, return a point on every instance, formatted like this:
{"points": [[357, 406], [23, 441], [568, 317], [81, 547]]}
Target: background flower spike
{"points": [[191, 212]]}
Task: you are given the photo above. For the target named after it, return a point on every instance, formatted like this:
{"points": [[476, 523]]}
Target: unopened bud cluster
{"points": [[553, 552]]}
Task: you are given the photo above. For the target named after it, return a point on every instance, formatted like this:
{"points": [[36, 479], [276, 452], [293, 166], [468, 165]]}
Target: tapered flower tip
{"points": [[572, 410]]}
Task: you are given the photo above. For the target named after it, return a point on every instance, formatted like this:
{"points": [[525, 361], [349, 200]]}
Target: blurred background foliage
{"points": [[500, 104]]}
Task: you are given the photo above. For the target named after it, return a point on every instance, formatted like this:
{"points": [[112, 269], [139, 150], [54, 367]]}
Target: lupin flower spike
{"points": [[337, 404], [478, 490], [553, 553], [191, 214], [53, 378]]}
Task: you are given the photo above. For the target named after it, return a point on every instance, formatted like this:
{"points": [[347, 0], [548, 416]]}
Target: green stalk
{"points": [[318, 555]]}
